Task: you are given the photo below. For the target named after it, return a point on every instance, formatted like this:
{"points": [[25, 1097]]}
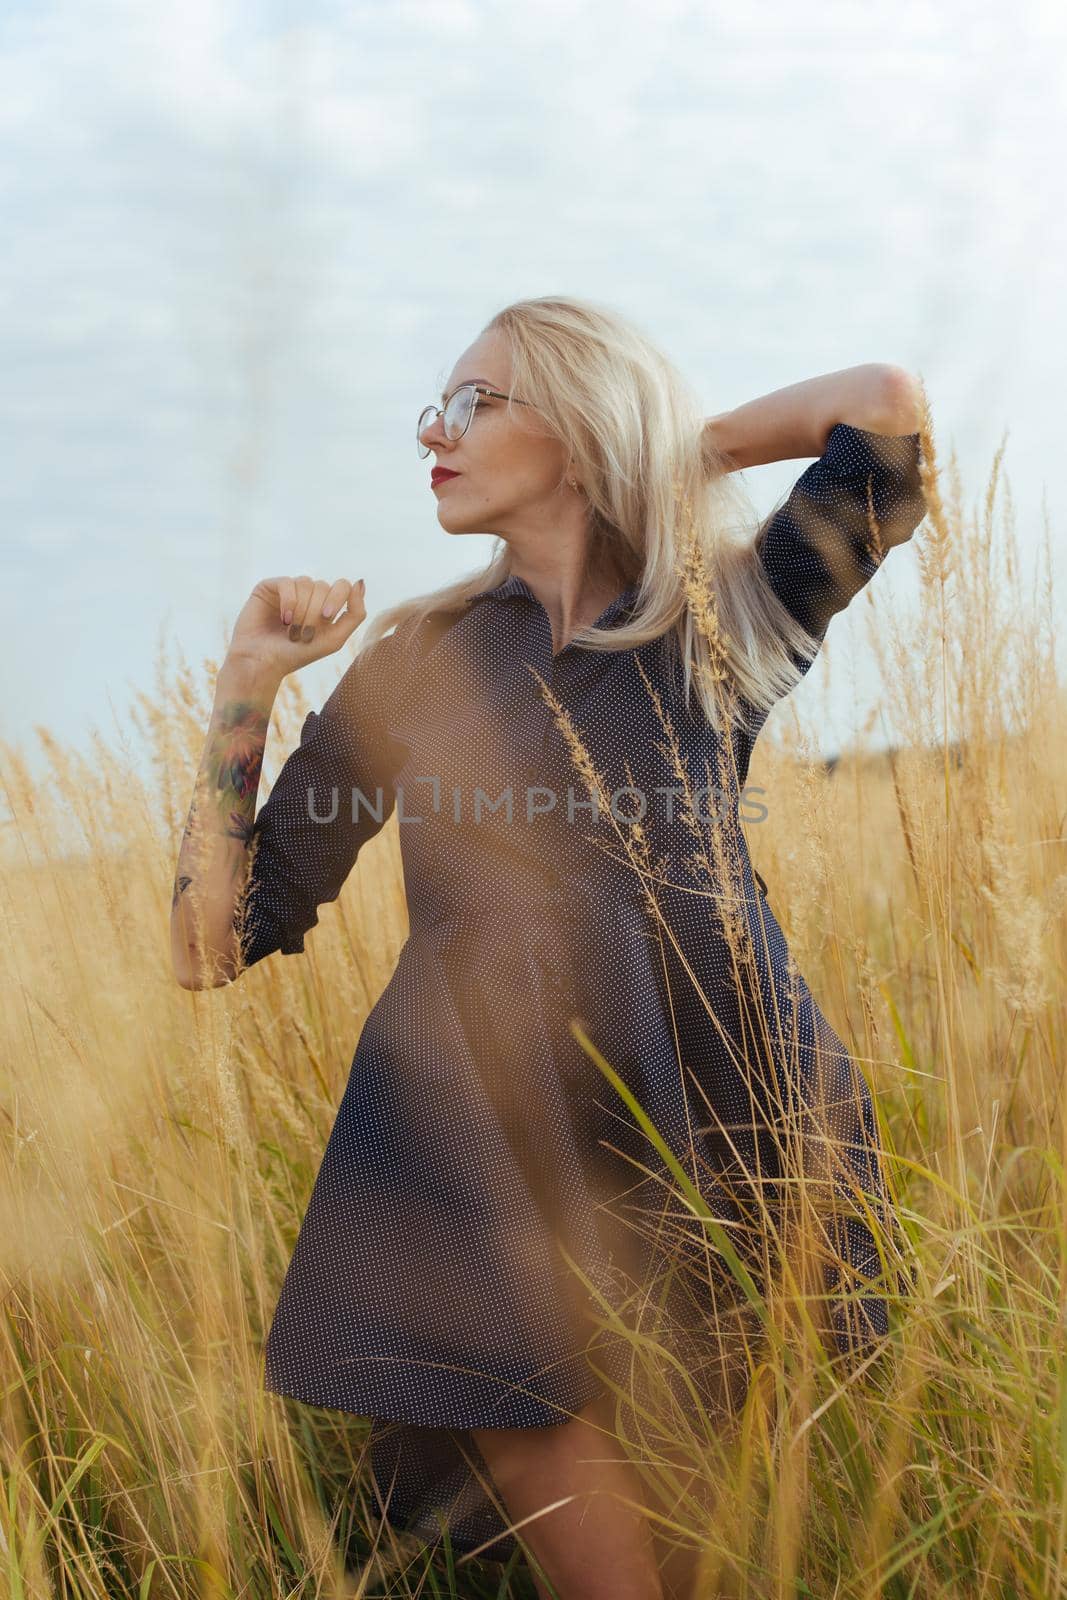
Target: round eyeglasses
{"points": [[459, 409]]}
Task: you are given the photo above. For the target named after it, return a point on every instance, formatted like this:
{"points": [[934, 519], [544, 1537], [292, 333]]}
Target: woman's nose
{"points": [[434, 431]]}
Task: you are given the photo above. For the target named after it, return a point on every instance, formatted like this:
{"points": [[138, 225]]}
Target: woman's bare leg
{"points": [[678, 1563], [693, 1501], [593, 1548]]}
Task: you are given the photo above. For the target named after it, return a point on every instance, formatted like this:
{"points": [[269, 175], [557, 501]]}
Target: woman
{"points": [[565, 739]]}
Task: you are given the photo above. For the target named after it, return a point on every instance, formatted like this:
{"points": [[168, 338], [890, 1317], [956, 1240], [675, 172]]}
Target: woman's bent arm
{"points": [[797, 421], [214, 854]]}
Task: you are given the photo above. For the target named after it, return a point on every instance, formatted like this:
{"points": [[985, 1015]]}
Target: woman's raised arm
{"points": [[285, 624], [798, 420], [213, 857], [861, 497]]}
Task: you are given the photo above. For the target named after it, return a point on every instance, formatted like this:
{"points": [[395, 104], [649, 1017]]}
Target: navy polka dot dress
{"points": [[484, 1185]]}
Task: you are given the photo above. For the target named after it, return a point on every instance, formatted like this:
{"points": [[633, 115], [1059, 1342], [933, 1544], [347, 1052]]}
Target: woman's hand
{"points": [[287, 622]]}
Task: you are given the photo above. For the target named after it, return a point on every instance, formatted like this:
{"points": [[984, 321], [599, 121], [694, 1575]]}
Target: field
{"points": [[159, 1147]]}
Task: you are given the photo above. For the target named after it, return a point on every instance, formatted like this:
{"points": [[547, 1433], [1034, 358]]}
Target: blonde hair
{"points": [[663, 512]]}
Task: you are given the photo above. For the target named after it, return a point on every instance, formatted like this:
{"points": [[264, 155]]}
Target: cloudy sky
{"points": [[244, 242]]}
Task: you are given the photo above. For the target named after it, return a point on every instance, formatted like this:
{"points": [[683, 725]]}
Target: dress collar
{"points": [[513, 584]]}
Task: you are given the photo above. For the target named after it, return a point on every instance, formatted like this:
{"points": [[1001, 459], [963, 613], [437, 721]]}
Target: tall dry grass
{"points": [[160, 1147]]}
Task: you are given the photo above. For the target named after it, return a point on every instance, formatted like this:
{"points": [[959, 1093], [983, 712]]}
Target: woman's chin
{"points": [[456, 525]]}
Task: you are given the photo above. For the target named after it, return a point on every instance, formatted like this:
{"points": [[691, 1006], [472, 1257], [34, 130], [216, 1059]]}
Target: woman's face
{"points": [[509, 471]]}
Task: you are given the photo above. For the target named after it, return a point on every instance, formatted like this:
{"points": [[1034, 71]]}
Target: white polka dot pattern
{"points": [[427, 1289]]}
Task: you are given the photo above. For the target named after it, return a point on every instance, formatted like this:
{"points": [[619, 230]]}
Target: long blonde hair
{"points": [[663, 512]]}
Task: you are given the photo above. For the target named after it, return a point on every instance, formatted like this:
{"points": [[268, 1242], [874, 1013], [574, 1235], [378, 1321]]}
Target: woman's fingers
{"points": [[336, 596], [322, 616], [349, 620], [301, 590], [286, 600], [309, 597]]}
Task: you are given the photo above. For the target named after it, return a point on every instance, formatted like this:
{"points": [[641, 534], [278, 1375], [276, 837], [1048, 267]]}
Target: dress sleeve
{"points": [[818, 549], [333, 793]]}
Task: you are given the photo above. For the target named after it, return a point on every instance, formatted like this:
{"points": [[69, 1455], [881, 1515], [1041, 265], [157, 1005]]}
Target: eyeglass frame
{"points": [[439, 411]]}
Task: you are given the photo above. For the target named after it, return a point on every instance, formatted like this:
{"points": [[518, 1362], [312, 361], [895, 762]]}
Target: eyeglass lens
{"points": [[457, 415]]}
